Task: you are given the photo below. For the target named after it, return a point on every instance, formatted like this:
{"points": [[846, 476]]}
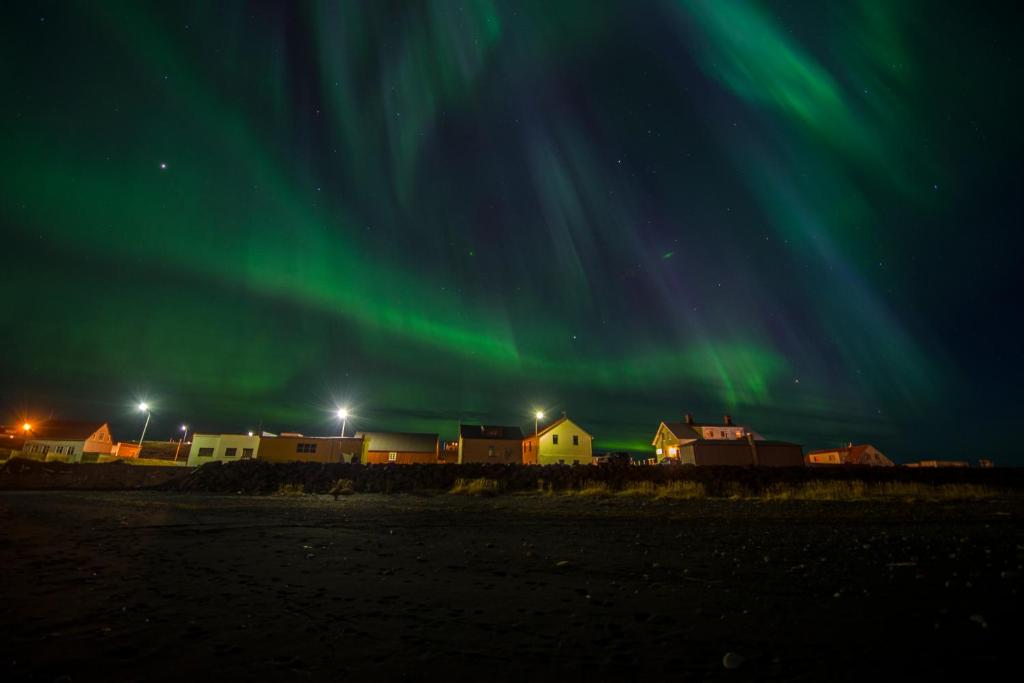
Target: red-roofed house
{"points": [[66, 440], [850, 454]]}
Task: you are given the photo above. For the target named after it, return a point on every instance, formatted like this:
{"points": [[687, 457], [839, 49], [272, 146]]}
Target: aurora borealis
{"points": [[803, 214]]}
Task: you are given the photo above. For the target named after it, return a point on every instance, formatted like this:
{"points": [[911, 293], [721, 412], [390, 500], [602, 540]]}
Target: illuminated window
{"points": [[490, 451], [658, 451], [392, 456], [246, 453], [230, 452]]}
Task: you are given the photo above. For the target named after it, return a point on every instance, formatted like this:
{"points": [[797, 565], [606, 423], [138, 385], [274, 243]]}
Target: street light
{"points": [[343, 416], [27, 427], [144, 408], [184, 433], [537, 417]]}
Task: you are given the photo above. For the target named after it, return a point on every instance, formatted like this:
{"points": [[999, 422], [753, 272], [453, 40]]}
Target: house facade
{"points": [[490, 444], [695, 443], [67, 440], [299, 448], [563, 442], [222, 448], [402, 448], [851, 454]]}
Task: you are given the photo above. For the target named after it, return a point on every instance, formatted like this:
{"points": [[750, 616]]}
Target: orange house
{"points": [[400, 448]]}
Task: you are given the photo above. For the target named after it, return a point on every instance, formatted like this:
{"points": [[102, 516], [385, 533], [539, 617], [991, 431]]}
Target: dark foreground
{"points": [[163, 586]]}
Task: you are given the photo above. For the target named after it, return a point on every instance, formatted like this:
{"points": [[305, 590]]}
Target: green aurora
{"points": [[805, 216]]}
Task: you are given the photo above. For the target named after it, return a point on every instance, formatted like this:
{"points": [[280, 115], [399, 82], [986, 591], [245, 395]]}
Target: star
{"points": [[163, 165]]}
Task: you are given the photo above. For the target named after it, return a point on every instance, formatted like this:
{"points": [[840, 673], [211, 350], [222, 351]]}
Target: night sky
{"points": [[804, 214]]}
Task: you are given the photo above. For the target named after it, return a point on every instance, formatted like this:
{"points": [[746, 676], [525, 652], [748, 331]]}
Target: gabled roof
{"points": [[545, 430], [400, 441], [65, 430], [680, 430], [490, 432]]}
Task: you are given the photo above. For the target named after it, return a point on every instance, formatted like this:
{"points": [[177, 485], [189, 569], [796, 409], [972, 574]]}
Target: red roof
{"points": [[65, 430]]}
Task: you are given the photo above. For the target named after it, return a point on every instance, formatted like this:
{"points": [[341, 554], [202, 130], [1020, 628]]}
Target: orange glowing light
{"points": [[27, 427]]}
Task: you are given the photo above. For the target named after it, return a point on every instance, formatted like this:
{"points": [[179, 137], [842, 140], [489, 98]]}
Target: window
{"points": [[60, 449], [554, 439], [305, 448], [230, 452], [658, 451], [205, 452], [575, 439], [71, 450], [575, 462], [246, 453], [723, 433], [392, 456], [561, 462]]}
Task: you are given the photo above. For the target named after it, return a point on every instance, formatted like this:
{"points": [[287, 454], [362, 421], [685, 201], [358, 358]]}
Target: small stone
{"points": [[562, 563], [733, 660], [979, 620]]}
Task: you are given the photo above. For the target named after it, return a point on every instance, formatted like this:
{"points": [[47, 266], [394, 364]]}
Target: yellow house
{"points": [[563, 442]]}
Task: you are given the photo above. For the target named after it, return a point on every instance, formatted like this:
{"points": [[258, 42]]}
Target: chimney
{"points": [[689, 418], [728, 420]]}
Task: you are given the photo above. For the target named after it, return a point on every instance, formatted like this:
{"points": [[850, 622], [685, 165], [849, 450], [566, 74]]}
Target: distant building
{"points": [[67, 440], [939, 463], [563, 442], [221, 447], [400, 447], [490, 444], [694, 443], [299, 448], [850, 454], [986, 463]]}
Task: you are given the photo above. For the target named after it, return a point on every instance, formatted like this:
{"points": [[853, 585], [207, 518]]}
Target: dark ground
{"points": [[144, 586]]}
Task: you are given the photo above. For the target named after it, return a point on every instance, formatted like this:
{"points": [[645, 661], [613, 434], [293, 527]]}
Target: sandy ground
{"points": [[163, 586]]}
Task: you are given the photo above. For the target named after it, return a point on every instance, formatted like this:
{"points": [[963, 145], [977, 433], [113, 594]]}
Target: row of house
{"points": [[562, 441]]}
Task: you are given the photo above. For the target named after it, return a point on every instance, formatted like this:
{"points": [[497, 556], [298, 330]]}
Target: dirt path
{"points": [[157, 586]]}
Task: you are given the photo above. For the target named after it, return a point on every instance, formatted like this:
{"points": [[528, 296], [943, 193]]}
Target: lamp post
{"points": [[343, 416], [144, 407], [184, 433], [537, 417]]}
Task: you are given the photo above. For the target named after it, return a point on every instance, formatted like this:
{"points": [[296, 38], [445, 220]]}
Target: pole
{"points": [[343, 423], [148, 415]]}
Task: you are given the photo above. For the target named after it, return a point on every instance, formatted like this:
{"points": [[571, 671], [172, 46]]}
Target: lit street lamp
{"points": [[537, 417], [144, 407], [184, 433], [343, 416]]}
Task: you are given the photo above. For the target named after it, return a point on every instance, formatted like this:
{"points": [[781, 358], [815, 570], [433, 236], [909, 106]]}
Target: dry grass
{"points": [[476, 487], [290, 490], [673, 490], [342, 487], [859, 490], [591, 489]]}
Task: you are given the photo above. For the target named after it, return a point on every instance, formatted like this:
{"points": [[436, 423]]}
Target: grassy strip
{"points": [[475, 487]]}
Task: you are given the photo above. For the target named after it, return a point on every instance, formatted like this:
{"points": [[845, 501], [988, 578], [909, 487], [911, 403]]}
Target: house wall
{"points": [[332, 449], [401, 458], [829, 458], [221, 443], [664, 442], [502, 451], [739, 453], [564, 452], [55, 449]]}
